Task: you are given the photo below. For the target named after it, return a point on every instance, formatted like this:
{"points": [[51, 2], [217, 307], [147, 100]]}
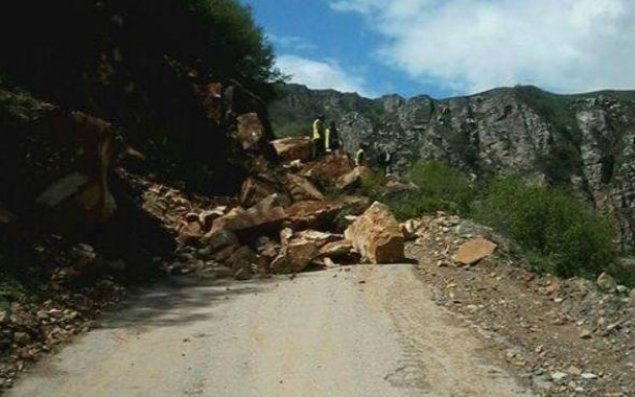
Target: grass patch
{"points": [[441, 188]]}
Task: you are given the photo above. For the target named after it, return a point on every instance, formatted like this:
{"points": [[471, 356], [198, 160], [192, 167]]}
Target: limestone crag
{"points": [[586, 141]]}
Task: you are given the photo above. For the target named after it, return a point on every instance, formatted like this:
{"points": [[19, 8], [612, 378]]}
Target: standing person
{"points": [[360, 156], [332, 138], [385, 159], [318, 136]]}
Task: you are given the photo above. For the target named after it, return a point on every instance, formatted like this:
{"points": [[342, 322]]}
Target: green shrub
{"points": [[441, 188], [373, 187], [559, 233]]}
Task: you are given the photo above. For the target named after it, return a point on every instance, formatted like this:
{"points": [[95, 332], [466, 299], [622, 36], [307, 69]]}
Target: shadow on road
{"points": [[179, 300]]}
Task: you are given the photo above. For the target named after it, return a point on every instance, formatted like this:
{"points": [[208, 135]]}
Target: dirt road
{"points": [[369, 331]]}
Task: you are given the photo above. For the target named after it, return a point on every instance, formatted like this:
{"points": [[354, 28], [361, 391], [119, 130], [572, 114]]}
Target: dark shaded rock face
{"points": [[587, 140]]}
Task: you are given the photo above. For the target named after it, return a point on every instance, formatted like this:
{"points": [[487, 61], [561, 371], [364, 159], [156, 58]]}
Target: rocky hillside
{"points": [[586, 141]]}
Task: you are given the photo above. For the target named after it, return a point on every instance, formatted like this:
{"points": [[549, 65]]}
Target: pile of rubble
{"points": [[78, 291], [282, 222]]}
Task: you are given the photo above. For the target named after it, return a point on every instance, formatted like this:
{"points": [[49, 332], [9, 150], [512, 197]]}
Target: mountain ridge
{"points": [[584, 141]]}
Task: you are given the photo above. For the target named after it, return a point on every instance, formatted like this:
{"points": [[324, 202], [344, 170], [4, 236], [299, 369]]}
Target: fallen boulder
{"points": [[377, 236], [243, 263], [250, 132], [82, 199], [312, 215], [258, 219], [254, 190], [290, 149], [206, 218], [607, 283], [224, 254], [301, 189], [354, 178], [211, 95], [219, 239], [271, 202], [188, 232], [328, 169], [410, 229], [298, 250], [337, 249], [474, 251], [267, 248], [356, 205]]}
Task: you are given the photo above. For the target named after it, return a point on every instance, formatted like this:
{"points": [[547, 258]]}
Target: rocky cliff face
{"points": [[587, 140]]}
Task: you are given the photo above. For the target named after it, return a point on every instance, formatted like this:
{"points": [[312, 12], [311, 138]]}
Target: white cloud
{"points": [[321, 74], [473, 45], [291, 43]]}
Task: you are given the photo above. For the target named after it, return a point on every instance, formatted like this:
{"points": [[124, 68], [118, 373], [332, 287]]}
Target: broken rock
{"points": [[290, 149], [254, 190], [188, 232], [256, 219], [250, 132], [301, 189], [410, 228], [311, 215], [329, 169], [267, 248], [207, 218], [377, 236], [607, 283], [474, 251], [219, 239], [337, 249], [243, 262], [355, 205], [300, 249], [354, 178]]}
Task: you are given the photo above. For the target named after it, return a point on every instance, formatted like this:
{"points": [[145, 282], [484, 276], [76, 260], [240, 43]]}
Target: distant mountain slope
{"points": [[586, 140]]}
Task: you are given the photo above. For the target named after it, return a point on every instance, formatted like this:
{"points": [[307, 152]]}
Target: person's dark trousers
{"points": [[318, 148]]}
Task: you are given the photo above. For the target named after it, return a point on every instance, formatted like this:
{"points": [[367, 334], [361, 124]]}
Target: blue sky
{"points": [[452, 47]]}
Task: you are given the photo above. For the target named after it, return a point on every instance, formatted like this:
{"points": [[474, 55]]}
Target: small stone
{"points": [[606, 283], [585, 334], [22, 338], [589, 376], [575, 371], [191, 217], [473, 251], [622, 289], [558, 376], [41, 315], [4, 316]]}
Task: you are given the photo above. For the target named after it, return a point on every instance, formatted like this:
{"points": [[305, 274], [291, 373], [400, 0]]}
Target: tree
{"points": [[136, 63]]}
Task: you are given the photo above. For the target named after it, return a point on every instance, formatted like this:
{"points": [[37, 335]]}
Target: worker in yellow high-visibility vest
{"points": [[359, 157], [318, 136]]}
